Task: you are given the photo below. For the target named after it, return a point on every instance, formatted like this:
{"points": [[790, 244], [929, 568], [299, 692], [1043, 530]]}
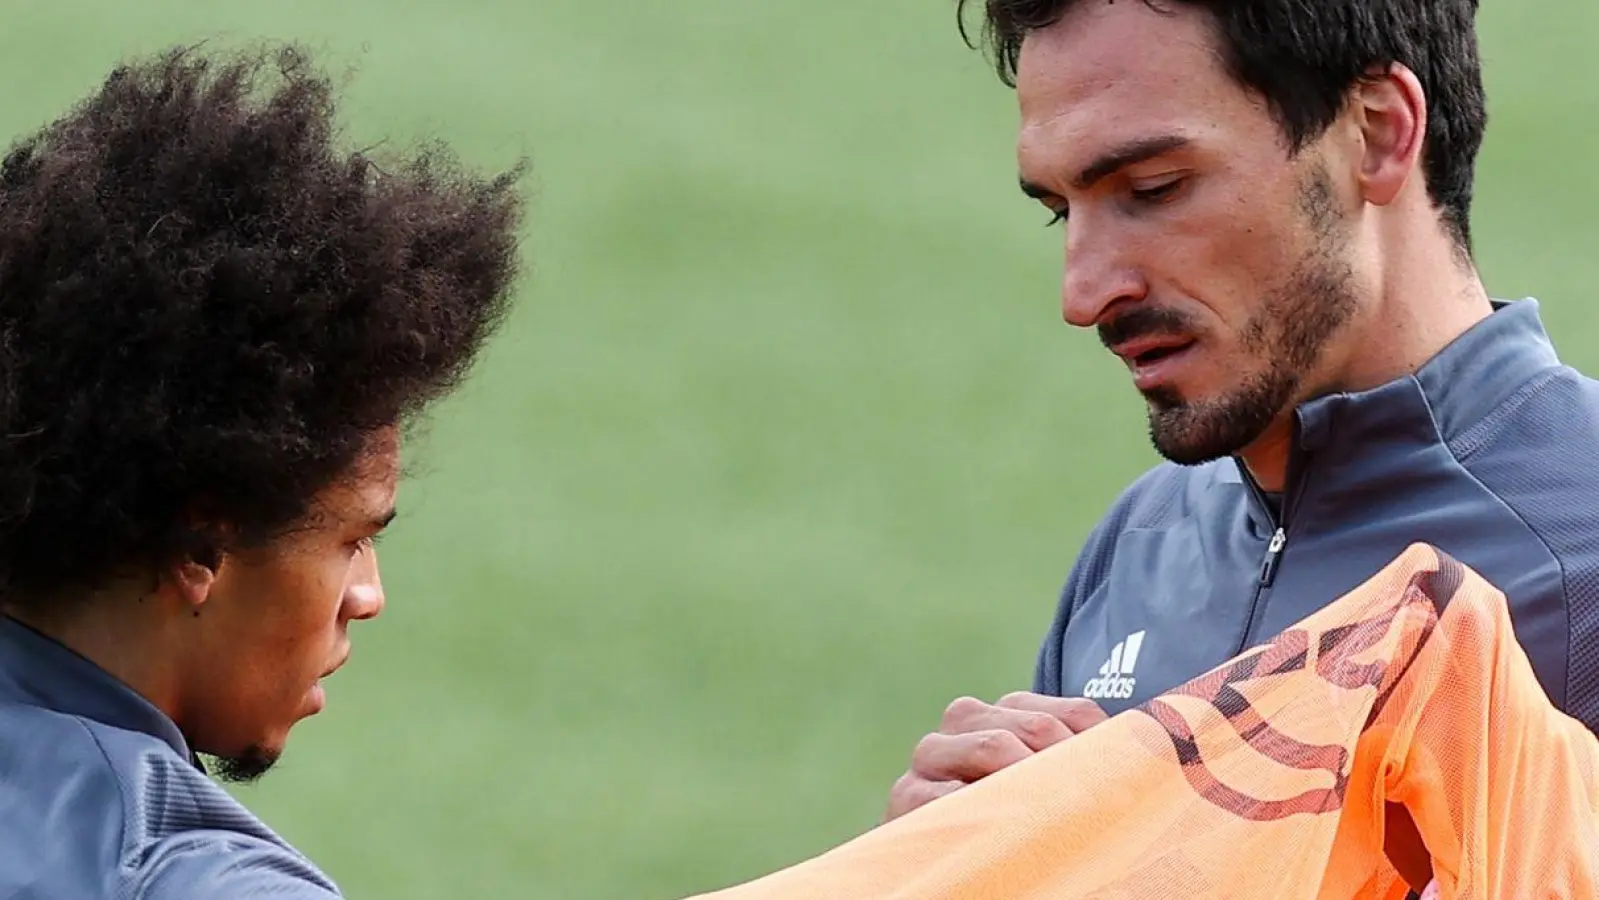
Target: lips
{"points": [[336, 666], [1149, 350], [1155, 360]]}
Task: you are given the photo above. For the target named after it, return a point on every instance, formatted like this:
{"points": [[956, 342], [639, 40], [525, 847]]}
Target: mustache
{"points": [[1142, 322]]}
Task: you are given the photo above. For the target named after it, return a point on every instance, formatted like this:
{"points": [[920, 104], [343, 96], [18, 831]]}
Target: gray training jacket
{"points": [[100, 798], [1490, 452]]}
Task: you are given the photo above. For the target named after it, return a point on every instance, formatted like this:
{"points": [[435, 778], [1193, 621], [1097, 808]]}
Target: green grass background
{"points": [[786, 446]]}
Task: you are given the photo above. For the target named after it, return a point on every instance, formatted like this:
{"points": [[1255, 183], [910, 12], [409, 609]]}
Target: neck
{"points": [[98, 630], [1426, 297]]}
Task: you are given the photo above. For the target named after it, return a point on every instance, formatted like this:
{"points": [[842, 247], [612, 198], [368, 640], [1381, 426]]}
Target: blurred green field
{"points": [[787, 445]]}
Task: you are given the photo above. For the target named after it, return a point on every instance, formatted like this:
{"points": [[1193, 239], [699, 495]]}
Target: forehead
{"points": [[1113, 73]]}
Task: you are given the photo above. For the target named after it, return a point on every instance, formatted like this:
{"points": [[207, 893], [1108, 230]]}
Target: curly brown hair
{"points": [[207, 311]]}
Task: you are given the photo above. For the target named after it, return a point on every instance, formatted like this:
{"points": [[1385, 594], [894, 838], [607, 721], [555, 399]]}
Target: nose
{"points": [[1100, 272], [363, 594]]}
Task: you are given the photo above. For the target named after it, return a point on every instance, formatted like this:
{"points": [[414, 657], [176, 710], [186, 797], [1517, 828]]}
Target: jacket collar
{"points": [[1465, 381], [1461, 384], [1482, 368], [36, 670]]}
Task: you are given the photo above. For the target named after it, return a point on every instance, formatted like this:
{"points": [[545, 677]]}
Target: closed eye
{"points": [[366, 543], [375, 530], [1154, 194], [1157, 193]]}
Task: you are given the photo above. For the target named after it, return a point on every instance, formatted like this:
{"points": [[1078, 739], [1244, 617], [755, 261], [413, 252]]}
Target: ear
{"points": [[192, 581], [1390, 111]]}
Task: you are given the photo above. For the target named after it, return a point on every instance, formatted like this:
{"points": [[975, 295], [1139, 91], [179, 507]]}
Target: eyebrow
{"points": [[1111, 162], [381, 522]]}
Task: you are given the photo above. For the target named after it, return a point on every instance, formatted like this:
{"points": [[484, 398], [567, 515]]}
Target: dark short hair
{"points": [[207, 311], [1304, 57]]}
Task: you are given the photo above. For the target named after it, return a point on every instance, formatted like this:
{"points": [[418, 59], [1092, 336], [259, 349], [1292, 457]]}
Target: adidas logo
{"points": [[1116, 681]]}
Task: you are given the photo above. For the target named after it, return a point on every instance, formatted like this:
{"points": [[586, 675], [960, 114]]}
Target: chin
{"points": [[315, 699], [247, 766], [1192, 435], [1191, 430]]}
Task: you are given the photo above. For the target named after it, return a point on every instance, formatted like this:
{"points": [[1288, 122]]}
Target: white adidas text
{"points": [[1116, 681]]}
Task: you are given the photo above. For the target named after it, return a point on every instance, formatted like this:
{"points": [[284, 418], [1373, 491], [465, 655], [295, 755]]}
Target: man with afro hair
{"points": [[214, 330]]}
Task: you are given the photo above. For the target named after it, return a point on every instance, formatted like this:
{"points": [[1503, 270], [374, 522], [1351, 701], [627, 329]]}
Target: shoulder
{"points": [[1556, 407], [92, 810], [190, 838], [62, 820], [219, 862], [1534, 453], [65, 774]]}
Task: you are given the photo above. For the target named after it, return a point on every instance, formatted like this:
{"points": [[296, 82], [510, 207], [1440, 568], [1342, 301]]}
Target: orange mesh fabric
{"points": [[1270, 777]]}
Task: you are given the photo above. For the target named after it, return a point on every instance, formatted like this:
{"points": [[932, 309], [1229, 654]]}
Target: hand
{"points": [[977, 739]]}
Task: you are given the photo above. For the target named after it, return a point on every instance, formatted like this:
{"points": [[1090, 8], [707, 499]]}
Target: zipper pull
{"points": [[1274, 555]]}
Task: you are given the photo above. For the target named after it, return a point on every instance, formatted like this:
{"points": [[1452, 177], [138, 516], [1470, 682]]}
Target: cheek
{"points": [[321, 596], [1231, 258], [301, 627]]}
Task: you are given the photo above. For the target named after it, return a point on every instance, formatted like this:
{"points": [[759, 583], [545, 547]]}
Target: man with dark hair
{"points": [[214, 330], [1266, 206]]}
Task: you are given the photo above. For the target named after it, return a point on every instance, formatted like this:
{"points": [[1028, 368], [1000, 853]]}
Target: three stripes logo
{"points": [[1116, 681]]}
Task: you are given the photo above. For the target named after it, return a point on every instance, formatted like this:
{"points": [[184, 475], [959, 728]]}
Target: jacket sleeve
{"points": [[1092, 562], [1046, 671]]}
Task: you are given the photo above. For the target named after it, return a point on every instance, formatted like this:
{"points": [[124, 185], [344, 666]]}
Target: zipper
{"points": [[1272, 563], [1274, 555]]}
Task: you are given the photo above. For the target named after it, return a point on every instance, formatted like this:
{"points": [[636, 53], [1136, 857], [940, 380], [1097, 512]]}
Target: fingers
{"points": [[967, 757], [1035, 729], [913, 792], [1075, 713], [977, 739], [1039, 721]]}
